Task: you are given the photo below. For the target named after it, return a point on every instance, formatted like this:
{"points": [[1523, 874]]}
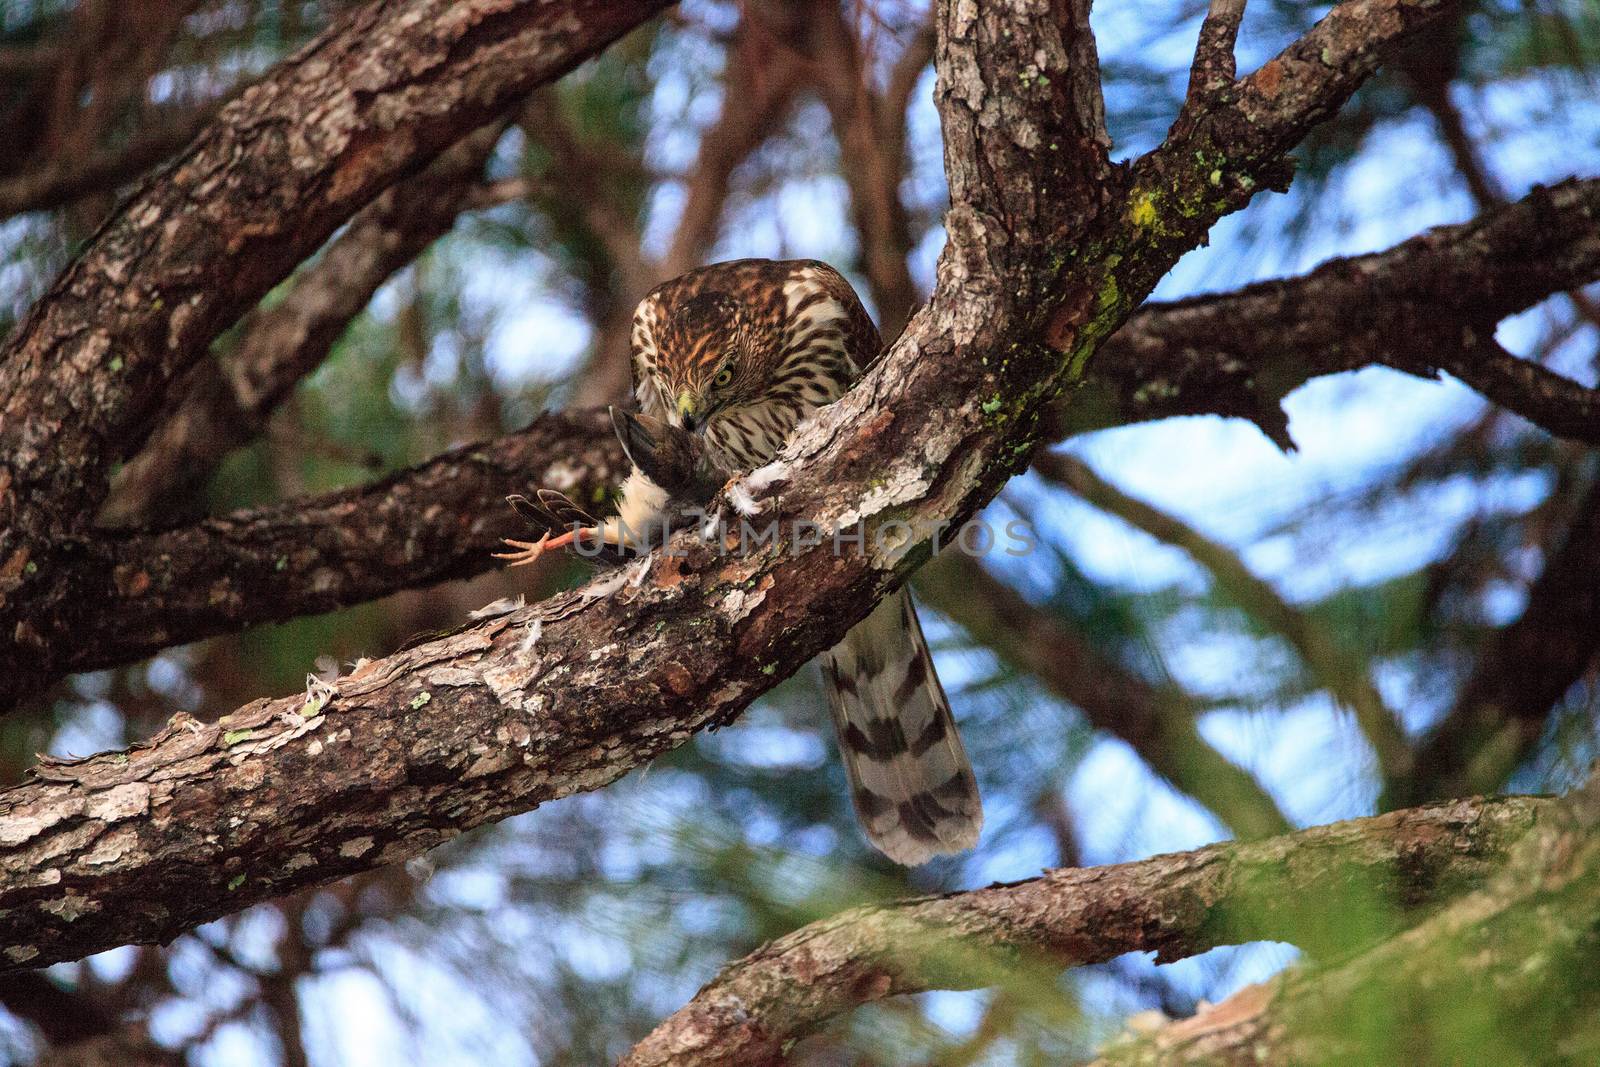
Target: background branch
{"points": [[1519, 950], [226, 402], [1524, 670], [1281, 889], [1344, 676]]}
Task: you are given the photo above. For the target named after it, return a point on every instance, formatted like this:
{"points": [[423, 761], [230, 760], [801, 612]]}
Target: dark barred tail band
{"points": [[910, 779]]}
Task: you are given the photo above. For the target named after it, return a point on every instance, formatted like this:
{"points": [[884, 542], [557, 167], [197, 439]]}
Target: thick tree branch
{"points": [[1236, 354], [372, 100], [568, 695], [1519, 954], [125, 596], [1283, 889], [1424, 303], [1157, 722]]}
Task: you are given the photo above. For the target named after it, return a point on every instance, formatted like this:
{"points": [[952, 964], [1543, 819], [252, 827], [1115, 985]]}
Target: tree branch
{"points": [[1551, 401], [1213, 69], [225, 404], [60, 182], [1523, 671], [1519, 953], [122, 596], [1425, 302], [1281, 889]]}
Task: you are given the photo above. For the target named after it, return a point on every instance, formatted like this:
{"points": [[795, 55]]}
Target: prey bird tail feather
{"points": [[910, 779]]}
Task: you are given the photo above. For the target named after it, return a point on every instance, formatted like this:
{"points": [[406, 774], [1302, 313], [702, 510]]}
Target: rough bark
{"points": [[125, 595], [568, 695], [370, 101], [1288, 888], [1504, 976]]}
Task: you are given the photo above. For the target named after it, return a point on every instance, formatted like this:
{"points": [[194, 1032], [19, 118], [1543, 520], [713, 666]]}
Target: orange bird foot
{"points": [[529, 551]]}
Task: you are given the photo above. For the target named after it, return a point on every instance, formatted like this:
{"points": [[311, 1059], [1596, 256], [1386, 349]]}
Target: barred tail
{"points": [[910, 780]]}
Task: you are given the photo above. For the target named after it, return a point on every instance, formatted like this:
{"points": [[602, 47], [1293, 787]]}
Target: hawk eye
{"points": [[723, 378]]}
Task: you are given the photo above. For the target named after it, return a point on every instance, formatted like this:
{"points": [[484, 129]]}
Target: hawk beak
{"points": [[688, 410]]}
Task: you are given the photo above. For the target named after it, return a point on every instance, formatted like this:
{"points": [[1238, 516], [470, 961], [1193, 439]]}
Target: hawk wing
{"points": [[645, 354]]}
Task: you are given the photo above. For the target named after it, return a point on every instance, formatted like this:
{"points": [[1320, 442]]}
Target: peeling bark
{"points": [[1282, 889]]}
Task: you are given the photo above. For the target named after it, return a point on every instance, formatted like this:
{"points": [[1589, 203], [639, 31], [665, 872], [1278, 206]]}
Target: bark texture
{"points": [[1285, 889]]}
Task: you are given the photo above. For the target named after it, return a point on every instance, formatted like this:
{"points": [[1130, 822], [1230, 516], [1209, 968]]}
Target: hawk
{"points": [[738, 354]]}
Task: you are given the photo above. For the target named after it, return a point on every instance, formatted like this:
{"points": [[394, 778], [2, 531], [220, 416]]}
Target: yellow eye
{"points": [[723, 378]]}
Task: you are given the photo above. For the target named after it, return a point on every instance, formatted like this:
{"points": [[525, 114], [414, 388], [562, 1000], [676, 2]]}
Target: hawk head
{"points": [[742, 351], [712, 353]]}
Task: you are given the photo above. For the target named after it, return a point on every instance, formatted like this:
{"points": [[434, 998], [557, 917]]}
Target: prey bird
{"points": [[733, 356], [672, 480]]}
